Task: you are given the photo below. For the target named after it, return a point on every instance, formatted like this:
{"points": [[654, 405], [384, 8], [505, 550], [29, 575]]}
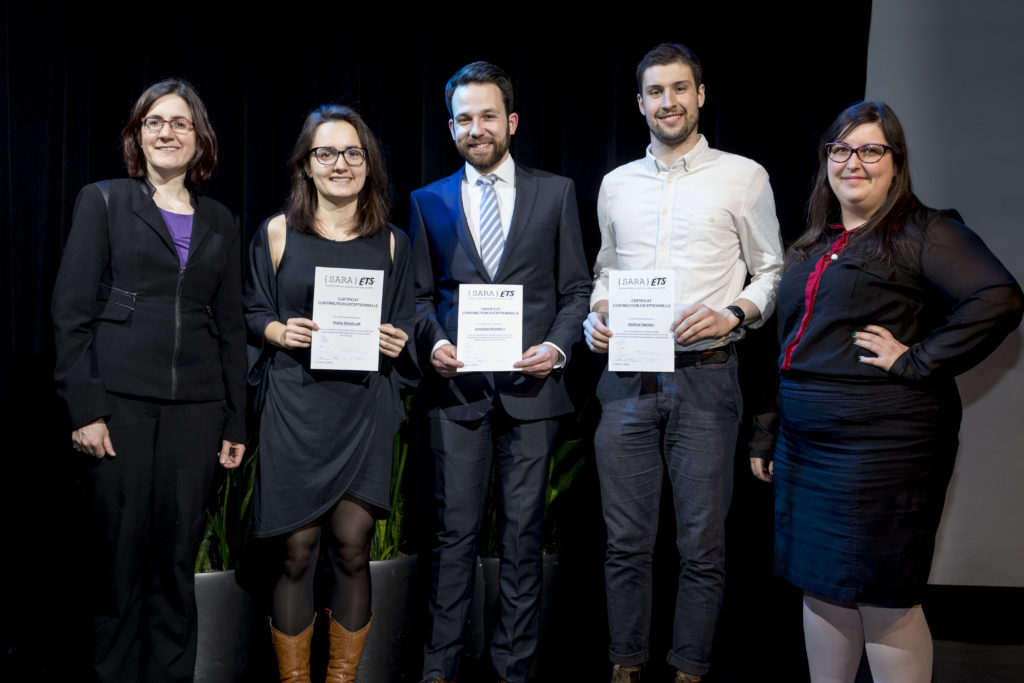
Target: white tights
{"points": [[897, 640]]}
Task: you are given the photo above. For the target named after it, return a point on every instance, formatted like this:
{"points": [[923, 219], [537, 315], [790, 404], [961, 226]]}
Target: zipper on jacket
{"points": [[177, 336]]}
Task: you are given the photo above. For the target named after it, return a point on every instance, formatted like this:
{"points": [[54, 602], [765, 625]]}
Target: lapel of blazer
{"points": [[146, 209], [457, 219], [526, 196], [200, 228]]}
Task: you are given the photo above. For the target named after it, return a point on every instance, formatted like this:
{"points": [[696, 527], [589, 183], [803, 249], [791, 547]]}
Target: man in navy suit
{"points": [[493, 222]]}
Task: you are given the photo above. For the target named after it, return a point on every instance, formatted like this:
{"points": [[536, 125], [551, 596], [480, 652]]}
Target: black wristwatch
{"points": [[738, 312]]}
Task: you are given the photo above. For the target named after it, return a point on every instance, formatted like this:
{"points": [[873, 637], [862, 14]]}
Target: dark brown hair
{"points": [[669, 53], [205, 160], [480, 72], [881, 233], [372, 210]]}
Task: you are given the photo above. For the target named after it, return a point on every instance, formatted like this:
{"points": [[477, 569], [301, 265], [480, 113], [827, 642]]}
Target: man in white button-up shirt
{"points": [[710, 217]]}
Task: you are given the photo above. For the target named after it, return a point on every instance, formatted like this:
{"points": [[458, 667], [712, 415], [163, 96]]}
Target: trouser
{"points": [[687, 422], [463, 455], [148, 505]]}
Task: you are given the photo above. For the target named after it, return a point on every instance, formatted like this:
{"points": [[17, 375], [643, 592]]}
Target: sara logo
{"points": [[642, 282], [363, 281]]}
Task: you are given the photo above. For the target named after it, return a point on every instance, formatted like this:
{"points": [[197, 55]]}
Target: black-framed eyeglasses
{"points": [[155, 124], [354, 156], [869, 153]]}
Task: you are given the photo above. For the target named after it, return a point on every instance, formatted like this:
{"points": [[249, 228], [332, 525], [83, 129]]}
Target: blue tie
{"points": [[492, 239]]}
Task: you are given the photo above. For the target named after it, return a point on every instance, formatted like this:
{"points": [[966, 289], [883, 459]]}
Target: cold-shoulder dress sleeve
{"points": [[984, 301], [260, 297], [401, 311]]}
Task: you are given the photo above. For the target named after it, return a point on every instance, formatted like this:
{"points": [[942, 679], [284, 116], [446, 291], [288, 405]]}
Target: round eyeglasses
{"points": [[870, 153], [354, 156], [155, 124]]}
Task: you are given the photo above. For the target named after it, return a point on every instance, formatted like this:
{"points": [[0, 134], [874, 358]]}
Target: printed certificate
{"points": [[490, 327], [347, 307], [640, 315]]}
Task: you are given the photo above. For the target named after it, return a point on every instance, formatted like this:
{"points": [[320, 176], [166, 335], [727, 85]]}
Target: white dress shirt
{"points": [[710, 218], [504, 189]]}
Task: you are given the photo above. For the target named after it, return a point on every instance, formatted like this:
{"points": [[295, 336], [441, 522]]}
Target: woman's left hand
{"points": [[763, 469], [231, 453], [879, 341], [392, 340]]}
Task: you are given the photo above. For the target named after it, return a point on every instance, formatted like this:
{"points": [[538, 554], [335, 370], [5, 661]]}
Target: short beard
{"points": [[678, 138], [501, 146], [673, 140]]}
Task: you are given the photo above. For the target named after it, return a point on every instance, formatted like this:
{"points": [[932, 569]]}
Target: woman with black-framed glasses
{"points": [[326, 434], [150, 344], [882, 303]]}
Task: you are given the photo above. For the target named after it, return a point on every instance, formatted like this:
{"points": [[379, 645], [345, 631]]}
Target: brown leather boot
{"points": [[346, 648], [292, 653]]}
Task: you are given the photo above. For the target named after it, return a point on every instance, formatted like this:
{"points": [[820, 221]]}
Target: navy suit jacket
{"points": [[543, 252]]}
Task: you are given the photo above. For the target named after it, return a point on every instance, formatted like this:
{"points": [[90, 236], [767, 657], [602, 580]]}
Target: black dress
{"points": [[864, 456], [323, 433]]}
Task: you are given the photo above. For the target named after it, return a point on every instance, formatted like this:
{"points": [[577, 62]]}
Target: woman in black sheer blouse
{"points": [[883, 302]]}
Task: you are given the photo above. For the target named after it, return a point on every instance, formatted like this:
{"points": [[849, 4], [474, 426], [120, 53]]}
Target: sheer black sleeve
{"points": [[984, 301]]}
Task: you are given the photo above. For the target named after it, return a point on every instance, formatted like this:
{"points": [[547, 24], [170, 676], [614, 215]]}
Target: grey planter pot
{"points": [[393, 647], [225, 614]]}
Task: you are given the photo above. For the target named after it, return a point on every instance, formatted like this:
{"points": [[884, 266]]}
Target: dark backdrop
{"points": [[70, 75]]}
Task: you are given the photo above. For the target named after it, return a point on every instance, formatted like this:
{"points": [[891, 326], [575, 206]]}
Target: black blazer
{"points": [[128, 319], [543, 252]]}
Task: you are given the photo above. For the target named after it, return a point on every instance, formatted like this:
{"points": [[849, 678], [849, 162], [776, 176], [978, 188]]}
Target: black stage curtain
{"points": [[69, 75]]}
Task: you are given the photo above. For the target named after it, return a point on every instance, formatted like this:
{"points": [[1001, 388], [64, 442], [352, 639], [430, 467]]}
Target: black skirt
{"points": [[861, 472]]}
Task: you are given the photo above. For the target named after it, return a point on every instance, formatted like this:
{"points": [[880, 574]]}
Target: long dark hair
{"points": [[882, 232], [205, 160], [372, 213]]}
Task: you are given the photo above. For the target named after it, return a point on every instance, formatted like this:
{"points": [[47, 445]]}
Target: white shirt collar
{"points": [[686, 161], [506, 172]]}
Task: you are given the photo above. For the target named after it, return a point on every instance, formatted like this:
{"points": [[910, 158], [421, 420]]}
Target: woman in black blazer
{"points": [[151, 362]]}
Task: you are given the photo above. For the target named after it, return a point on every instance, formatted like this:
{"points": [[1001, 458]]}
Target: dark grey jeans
{"points": [[687, 421]]}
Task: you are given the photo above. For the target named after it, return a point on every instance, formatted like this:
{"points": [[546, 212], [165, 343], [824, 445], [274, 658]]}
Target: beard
{"points": [[485, 163], [673, 137]]}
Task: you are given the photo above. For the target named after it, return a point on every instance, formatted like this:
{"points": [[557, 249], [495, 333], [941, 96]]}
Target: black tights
{"points": [[350, 524]]}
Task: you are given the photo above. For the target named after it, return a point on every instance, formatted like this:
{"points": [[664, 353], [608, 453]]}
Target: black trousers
{"points": [[463, 455], [148, 504]]}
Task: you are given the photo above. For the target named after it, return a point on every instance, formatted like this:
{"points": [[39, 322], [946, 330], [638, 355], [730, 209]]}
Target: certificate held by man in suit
{"points": [[490, 327]]}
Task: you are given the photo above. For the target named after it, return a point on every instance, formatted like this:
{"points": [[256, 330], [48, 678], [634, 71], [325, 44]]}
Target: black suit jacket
{"points": [[543, 252], [128, 319]]}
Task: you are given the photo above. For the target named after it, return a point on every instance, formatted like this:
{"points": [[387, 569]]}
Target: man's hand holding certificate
{"points": [[640, 314], [490, 327], [347, 308]]}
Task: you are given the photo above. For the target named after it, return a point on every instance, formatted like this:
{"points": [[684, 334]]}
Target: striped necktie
{"points": [[492, 239]]}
